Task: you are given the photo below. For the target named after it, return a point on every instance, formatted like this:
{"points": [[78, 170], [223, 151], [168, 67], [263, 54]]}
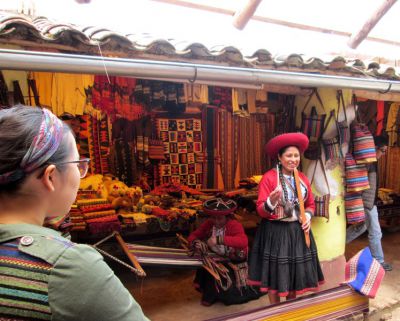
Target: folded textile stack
{"points": [[77, 220]]}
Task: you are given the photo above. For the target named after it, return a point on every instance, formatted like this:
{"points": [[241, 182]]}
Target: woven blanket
{"points": [[182, 139], [328, 305], [364, 273]]}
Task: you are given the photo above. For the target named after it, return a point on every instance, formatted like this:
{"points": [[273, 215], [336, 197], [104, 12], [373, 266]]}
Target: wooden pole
{"points": [[242, 17], [229, 12], [130, 256], [357, 37], [301, 204]]}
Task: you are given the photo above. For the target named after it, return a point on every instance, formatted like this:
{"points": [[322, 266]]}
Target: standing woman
{"points": [[44, 276], [280, 261]]}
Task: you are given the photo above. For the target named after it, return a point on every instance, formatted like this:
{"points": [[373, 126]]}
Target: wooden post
{"points": [[242, 17], [357, 37]]}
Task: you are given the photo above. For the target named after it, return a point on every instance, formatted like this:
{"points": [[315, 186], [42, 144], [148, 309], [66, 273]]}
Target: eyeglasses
{"points": [[83, 165]]}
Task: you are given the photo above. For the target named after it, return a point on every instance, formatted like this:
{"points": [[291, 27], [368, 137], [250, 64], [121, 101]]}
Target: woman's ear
{"points": [[48, 177]]}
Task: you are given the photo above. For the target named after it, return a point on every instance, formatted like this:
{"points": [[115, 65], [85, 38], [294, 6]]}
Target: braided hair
{"points": [[284, 185]]}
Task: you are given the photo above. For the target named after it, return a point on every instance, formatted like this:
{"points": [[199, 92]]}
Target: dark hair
{"points": [[381, 140], [18, 127], [282, 150]]}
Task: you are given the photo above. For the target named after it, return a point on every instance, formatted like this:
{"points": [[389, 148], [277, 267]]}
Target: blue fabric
{"points": [[363, 267], [374, 233]]}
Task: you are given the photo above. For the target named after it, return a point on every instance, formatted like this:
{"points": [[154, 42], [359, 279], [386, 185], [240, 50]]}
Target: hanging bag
{"points": [[363, 142], [314, 124], [321, 202], [356, 175], [354, 207], [332, 146], [314, 150]]}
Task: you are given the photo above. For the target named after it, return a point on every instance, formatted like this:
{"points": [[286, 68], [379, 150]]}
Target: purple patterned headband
{"points": [[43, 146]]}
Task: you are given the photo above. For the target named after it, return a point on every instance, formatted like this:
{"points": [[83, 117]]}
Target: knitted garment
{"points": [[23, 285]]}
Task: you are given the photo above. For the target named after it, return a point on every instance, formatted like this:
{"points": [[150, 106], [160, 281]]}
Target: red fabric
{"points": [[235, 236], [380, 115], [268, 184], [290, 139]]}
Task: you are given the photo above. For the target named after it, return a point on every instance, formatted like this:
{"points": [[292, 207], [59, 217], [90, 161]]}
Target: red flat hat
{"points": [[299, 140]]}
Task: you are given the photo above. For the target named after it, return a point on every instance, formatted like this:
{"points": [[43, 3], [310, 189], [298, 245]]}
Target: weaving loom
{"points": [[150, 255], [326, 305]]}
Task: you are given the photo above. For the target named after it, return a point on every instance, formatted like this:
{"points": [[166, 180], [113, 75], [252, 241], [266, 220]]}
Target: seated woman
{"points": [[225, 236]]}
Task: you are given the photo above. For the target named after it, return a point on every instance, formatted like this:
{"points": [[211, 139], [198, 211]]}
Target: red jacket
{"points": [[235, 236], [268, 184]]}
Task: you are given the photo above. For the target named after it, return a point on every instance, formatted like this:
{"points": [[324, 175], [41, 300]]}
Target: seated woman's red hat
{"points": [[299, 140], [219, 206]]}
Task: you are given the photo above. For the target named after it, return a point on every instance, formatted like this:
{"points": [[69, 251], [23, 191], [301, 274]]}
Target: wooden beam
{"points": [[377, 95], [242, 17], [357, 37], [192, 5]]}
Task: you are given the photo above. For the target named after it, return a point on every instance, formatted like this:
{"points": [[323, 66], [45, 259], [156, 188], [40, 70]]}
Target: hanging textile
{"points": [[392, 177], [220, 97], [380, 117], [392, 125], [182, 141], [196, 93], [93, 141], [44, 85], [115, 97], [225, 148], [210, 141]]}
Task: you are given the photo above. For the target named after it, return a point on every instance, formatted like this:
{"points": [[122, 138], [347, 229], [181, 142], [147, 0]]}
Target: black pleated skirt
{"points": [[211, 293], [280, 261]]}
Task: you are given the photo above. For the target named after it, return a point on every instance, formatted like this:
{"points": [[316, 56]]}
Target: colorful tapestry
{"points": [[93, 141], [182, 141]]}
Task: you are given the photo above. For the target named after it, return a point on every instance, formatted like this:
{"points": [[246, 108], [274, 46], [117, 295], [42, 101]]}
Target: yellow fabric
{"points": [[44, 85], [21, 76], [69, 93], [196, 93], [235, 101], [63, 93], [319, 309], [391, 127]]}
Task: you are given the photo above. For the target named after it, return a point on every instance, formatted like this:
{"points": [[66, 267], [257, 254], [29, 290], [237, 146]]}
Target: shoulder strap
{"points": [[314, 92], [340, 100], [323, 170], [326, 178], [331, 115]]}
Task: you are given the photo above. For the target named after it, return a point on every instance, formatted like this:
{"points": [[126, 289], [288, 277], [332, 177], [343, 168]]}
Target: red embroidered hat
{"points": [[219, 206], [299, 140]]}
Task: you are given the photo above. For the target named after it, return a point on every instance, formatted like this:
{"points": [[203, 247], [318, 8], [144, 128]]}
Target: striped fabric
{"points": [[327, 305], [332, 148], [322, 206], [354, 207], [23, 285], [313, 125], [364, 273], [356, 175], [363, 143]]}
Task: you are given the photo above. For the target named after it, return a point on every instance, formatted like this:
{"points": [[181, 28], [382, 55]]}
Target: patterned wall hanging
{"points": [[182, 141]]}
